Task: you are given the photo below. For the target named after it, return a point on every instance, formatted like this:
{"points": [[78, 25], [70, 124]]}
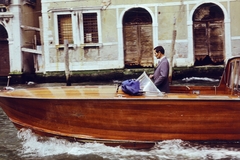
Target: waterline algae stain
{"points": [[25, 145]]}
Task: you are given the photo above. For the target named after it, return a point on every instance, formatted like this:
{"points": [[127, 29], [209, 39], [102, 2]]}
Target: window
{"points": [[80, 28], [65, 28], [90, 27], [3, 9], [31, 2], [5, 2]]}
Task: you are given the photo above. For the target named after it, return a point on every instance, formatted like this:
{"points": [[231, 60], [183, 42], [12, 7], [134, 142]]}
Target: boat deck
{"points": [[101, 92]]}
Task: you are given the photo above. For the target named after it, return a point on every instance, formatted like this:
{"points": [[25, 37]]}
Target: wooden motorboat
{"points": [[99, 113]]}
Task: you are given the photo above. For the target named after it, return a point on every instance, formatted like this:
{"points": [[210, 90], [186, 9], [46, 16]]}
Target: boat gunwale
{"points": [[119, 97]]}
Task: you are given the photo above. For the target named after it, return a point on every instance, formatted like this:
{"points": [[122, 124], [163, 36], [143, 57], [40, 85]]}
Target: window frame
{"points": [[99, 43], [57, 41]]}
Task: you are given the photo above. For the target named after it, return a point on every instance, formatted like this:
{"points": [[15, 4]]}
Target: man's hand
{"points": [[150, 76]]}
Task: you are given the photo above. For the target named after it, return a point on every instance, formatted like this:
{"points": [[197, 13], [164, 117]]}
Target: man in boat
{"points": [[160, 76]]}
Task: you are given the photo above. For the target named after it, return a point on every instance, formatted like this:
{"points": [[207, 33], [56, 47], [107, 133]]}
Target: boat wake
{"points": [[37, 147]]}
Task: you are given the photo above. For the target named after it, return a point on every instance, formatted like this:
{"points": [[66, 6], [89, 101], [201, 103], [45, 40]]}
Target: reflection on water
{"points": [[9, 142]]}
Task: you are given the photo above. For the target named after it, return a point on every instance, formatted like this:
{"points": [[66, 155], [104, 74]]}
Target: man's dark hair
{"points": [[159, 48]]}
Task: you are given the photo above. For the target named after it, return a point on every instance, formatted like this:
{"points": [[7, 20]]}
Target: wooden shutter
{"points": [[4, 59], [131, 45], [138, 45], [146, 46], [216, 36], [200, 40], [65, 28]]}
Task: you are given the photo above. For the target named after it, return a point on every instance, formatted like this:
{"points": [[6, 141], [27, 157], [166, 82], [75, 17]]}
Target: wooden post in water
{"points": [[66, 57], [181, 13], [172, 51], [42, 64]]}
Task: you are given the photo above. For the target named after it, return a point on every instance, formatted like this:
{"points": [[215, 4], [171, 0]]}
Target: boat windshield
{"points": [[148, 86], [233, 77]]}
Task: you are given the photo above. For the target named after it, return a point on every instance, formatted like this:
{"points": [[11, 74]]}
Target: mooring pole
{"points": [[66, 57], [8, 82], [172, 50]]}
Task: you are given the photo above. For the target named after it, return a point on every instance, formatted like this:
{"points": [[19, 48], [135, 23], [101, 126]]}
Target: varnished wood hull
{"points": [[100, 114]]}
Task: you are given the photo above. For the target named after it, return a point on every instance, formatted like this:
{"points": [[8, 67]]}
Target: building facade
{"points": [[112, 34], [15, 15]]}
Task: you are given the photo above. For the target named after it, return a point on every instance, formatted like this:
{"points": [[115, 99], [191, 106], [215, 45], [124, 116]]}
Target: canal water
{"points": [[25, 145]]}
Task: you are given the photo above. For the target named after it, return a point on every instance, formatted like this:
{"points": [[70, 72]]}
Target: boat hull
{"points": [[106, 114], [128, 122]]}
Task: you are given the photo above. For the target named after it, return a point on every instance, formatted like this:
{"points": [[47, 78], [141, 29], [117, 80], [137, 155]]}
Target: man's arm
{"points": [[162, 73]]}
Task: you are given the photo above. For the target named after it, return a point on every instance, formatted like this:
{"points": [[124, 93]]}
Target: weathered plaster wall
{"points": [[164, 15], [235, 27], [30, 38], [235, 46], [102, 54], [81, 57], [15, 37], [56, 4], [109, 24], [234, 15]]}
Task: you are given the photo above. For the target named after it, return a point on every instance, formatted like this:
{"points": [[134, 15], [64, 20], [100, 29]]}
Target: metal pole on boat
{"points": [[8, 81], [67, 70]]}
